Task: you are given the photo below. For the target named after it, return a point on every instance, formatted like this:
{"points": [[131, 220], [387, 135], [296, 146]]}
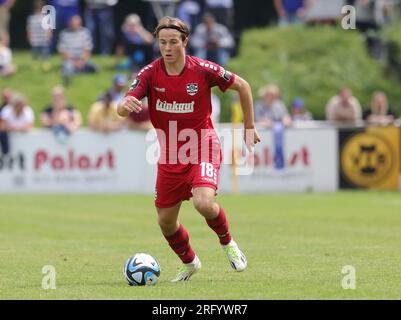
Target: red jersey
{"points": [[180, 108]]}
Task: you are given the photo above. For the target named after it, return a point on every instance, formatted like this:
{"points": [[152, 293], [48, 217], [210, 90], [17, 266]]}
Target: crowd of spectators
{"points": [[84, 27], [63, 118], [78, 35], [342, 108], [370, 14], [371, 17]]}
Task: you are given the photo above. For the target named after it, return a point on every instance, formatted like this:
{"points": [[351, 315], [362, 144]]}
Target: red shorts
{"points": [[172, 188]]}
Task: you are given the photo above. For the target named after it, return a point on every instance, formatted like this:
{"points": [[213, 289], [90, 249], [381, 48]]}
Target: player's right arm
{"points": [[137, 91], [127, 105]]}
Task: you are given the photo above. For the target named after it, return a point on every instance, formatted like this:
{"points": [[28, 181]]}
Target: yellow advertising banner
{"points": [[371, 158]]}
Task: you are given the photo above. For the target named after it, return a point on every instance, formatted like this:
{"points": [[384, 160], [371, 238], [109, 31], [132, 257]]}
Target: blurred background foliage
{"points": [[311, 62], [315, 62]]}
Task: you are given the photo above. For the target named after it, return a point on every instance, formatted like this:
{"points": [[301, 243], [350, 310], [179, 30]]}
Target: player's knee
{"points": [[203, 204], [165, 222]]}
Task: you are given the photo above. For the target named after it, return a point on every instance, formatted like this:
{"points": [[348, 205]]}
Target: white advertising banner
{"points": [[119, 162], [307, 160], [87, 162]]}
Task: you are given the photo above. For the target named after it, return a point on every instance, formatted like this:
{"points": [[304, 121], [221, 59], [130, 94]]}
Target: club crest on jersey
{"points": [[192, 88]]}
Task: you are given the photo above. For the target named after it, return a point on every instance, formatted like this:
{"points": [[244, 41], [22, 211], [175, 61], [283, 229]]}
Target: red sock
{"points": [[220, 226], [179, 242]]}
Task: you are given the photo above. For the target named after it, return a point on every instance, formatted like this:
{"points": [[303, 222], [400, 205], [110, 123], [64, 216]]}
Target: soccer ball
{"points": [[141, 270]]}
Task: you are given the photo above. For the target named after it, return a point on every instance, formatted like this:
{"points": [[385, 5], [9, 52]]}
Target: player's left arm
{"points": [[251, 135]]}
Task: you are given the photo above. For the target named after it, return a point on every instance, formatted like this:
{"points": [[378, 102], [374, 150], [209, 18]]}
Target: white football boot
{"points": [[187, 270], [237, 259]]}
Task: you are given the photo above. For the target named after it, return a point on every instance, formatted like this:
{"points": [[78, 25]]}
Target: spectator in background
{"points": [[99, 19], [60, 116], [212, 41], [17, 116], [117, 90], [4, 140], [65, 10], [7, 68], [324, 12], [75, 46], [344, 107], [270, 108], [5, 6], [371, 16], [190, 11], [272, 113], [299, 113], [38, 37], [379, 112], [135, 43], [141, 120], [7, 96], [222, 10], [103, 115], [291, 11]]}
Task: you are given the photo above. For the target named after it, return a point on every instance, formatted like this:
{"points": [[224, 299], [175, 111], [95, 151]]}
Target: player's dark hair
{"points": [[172, 23]]}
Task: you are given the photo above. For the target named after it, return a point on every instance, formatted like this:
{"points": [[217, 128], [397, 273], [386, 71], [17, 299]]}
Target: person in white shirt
{"points": [[17, 116], [6, 66]]}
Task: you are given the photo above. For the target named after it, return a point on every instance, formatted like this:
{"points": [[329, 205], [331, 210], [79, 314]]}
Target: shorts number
{"points": [[207, 169]]}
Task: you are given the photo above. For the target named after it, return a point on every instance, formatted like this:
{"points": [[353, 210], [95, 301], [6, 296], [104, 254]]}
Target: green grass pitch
{"points": [[296, 246]]}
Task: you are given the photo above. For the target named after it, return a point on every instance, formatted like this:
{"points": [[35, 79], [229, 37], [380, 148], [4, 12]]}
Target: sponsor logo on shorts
{"points": [[210, 180], [175, 107]]}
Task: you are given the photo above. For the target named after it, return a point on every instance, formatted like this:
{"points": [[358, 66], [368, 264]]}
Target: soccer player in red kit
{"points": [[178, 87]]}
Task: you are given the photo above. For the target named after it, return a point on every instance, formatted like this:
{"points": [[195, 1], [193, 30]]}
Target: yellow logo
{"points": [[367, 159]]}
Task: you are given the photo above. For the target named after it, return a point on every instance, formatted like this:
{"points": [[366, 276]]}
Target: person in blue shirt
{"points": [[291, 11], [135, 43]]}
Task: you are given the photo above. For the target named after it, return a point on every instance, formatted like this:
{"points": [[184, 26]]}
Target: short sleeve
{"points": [[284, 110], [139, 87], [5, 113], [61, 46], [30, 116], [217, 75], [88, 43]]}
